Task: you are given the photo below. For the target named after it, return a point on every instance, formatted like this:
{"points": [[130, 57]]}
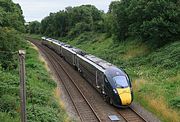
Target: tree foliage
{"points": [[11, 15], [156, 22], [34, 27], [11, 23], [71, 22]]}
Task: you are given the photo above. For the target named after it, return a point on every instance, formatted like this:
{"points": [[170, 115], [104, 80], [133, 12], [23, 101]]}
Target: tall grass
{"points": [[42, 105]]}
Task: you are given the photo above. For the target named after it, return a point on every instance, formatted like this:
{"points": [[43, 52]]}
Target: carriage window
{"points": [[121, 81]]}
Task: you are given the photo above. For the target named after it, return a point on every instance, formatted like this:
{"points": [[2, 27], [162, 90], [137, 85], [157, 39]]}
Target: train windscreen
{"points": [[121, 81]]}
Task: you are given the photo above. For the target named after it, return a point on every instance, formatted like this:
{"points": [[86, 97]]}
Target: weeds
{"points": [[41, 103]]}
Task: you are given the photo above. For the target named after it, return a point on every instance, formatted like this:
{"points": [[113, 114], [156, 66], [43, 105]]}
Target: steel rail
{"points": [[138, 114], [130, 115], [55, 67], [76, 86]]}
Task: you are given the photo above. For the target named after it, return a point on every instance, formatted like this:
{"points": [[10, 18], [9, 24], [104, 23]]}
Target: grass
{"points": [[155, 73], [34, 36], [42, 104]]}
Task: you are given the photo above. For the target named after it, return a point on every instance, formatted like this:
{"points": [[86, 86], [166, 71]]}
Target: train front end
{"points": [[120, 89]]}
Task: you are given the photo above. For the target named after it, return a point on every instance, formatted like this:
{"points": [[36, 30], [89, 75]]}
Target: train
{"points": [[111, 82]]}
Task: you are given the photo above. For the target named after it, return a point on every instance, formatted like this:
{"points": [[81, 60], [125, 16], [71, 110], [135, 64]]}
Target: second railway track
{"points": [[83, 108]]}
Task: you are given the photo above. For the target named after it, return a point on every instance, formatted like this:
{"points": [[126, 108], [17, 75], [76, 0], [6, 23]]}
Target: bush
{"points": [[42, 113], [175, 102], [156, 22], [78, 29], [5, 117], [11, 41], [8, 103]]}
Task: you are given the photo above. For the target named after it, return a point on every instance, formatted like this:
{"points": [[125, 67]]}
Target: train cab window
{"points": [[121, 81]]}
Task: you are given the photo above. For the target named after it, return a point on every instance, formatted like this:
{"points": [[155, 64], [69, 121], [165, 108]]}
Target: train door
{"points": [[99, 80], [107, 87]]}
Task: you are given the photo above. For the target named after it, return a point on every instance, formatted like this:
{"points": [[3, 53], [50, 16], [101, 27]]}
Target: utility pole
{"points": [[22, 84]]}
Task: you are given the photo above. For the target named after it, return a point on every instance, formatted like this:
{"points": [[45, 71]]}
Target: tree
{"points": [[118, 10], [34, 27], [11, 15], [11, 23], [72, 21], [156, 22]]}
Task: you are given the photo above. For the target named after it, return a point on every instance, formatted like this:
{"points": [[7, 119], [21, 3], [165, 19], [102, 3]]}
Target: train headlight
{"points": [[115, 91]]}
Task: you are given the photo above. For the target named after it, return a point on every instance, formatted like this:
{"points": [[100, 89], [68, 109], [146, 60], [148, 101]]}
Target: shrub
{"points": [[175, 102]]}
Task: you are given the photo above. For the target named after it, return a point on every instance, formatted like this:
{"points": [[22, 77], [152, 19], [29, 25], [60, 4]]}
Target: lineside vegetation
{"points": [[42, 105], [141, 36]]}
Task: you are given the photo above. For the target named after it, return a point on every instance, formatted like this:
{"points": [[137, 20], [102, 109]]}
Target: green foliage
{"points": [[9, 103], [11, 21], [11, 15], [41, 104], [175, 102], [119, 15], [156, 22], [71, 22], [43, 113], [34, 27], [39, 85], [78, 29], [11, 41], [5, 117]]}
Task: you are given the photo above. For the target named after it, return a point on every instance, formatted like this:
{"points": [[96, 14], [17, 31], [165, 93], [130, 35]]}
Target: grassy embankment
{"points": [[42, 101], [155, 73]]}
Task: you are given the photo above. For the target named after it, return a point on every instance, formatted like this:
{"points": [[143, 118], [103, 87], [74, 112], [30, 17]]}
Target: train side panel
{"points": [[68, 56], [93, 75]]}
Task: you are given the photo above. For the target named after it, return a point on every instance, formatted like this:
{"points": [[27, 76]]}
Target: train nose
{"points": [[125, 95]]}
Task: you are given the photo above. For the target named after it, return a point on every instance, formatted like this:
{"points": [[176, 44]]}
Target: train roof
{"points": [[79, 51], [92, 63], [70, 49], [104, 64], [99, 63]]}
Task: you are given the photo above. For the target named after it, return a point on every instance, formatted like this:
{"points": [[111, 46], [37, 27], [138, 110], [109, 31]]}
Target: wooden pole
{"points": [[22, 84]]}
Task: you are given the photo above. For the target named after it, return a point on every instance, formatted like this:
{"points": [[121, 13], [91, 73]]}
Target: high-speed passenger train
{"points": [[113, 83]]}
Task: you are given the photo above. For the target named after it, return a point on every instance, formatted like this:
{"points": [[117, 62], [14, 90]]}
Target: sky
{"points": [[38, 9]]}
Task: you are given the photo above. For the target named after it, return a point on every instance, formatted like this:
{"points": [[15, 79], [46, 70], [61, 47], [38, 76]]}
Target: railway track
{"points": [[83, 106], [130, 115]]}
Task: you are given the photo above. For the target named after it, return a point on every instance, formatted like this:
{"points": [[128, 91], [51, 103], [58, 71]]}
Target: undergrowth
{"points": [[155, 73], [41, 103]]}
